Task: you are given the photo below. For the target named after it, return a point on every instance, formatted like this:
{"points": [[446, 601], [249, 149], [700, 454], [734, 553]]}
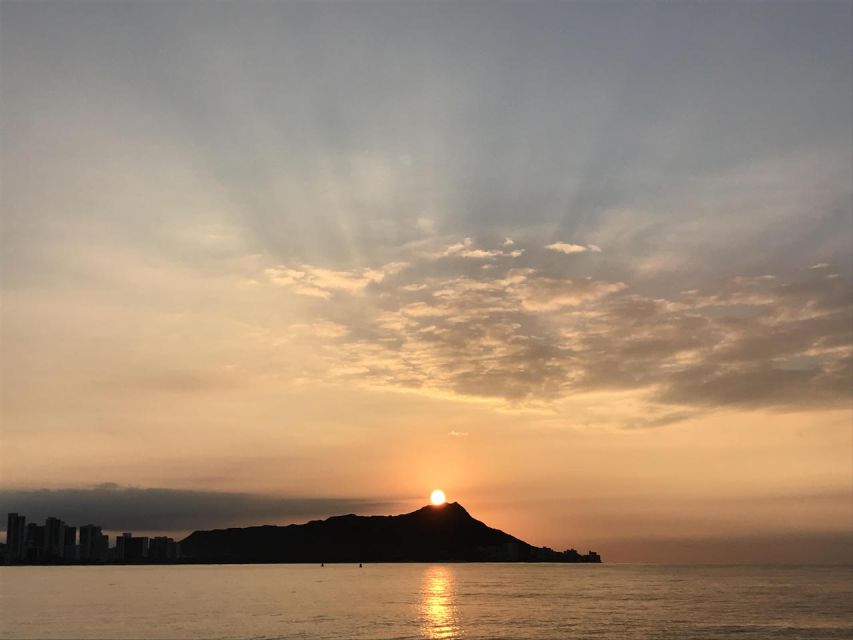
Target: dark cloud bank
{"points": [[139, 509]]}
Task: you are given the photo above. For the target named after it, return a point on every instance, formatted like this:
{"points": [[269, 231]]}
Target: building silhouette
{"points": [[35, 543], [54, 539], [58, 542], [121, 543], [163, 549], [70, 550], [16, 536], [136, 549], [94, 545], [130, 548]]}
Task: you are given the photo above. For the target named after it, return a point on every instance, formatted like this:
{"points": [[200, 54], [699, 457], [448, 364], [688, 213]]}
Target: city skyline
{"points": [[587, 268], [57, 542], [440, 531]]}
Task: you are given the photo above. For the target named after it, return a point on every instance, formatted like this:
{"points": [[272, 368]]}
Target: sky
{"points": [[584, 266]]}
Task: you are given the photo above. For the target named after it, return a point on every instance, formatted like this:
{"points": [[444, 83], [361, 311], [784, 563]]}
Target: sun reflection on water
{"points": [[438, 607]]}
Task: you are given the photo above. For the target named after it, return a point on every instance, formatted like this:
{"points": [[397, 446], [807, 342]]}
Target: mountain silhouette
{"points": [[444, 533]]}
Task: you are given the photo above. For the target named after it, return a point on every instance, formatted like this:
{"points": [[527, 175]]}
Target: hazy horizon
{"points": [[584, 266], [158, 512]]}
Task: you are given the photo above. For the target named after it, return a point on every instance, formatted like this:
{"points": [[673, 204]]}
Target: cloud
{"points": [[319, 282], [465, 249], [569, 248], [120, 508], [458, 434], [551, 294], [522, 336]]}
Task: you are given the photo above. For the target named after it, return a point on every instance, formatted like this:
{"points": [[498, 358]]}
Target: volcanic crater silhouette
{"points": [[443, 533]]}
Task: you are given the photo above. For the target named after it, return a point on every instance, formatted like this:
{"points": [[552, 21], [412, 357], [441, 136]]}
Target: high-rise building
{"points": [[136, 549], [16, 537], [93, 544], [35, 543], [70, 550], [54, 539], [121, 546], [163, 549], [130, 548]]}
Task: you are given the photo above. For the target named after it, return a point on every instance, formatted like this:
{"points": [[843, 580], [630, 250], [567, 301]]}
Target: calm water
{"points": [[432, 601]]}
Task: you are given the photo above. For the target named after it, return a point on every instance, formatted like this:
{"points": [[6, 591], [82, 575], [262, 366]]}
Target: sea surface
{"points": [[427, 601]]}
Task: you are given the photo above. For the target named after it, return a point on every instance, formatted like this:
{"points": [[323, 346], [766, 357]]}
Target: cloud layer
{"points": [[118, 507], [523, 334]]}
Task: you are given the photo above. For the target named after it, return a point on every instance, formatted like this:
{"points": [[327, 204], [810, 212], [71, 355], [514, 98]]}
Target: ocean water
{"points": [[427, 601]]}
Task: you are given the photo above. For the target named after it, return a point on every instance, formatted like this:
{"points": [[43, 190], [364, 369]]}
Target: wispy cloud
{"points": [[322, 283], [519, 335], [569, 248], [467, 249]]}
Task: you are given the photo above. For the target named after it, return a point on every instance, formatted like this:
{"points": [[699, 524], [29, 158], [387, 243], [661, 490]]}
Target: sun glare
{"points": [[437, 497]]}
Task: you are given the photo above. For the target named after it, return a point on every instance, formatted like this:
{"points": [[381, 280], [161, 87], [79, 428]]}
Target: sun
{"points": [[437, 497]]}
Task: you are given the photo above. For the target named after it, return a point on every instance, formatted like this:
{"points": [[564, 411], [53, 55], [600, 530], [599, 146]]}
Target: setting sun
{"points": [[437, 497]]}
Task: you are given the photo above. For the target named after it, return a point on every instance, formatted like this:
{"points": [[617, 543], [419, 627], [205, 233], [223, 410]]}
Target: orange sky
{"points": [[601, 295]]}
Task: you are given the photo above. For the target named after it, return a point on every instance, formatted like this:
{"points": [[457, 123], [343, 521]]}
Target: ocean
{"points": [[427, 601]]}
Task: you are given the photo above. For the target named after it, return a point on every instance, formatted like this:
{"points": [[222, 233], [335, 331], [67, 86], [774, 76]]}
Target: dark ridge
{"points": [[445, 533]]}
